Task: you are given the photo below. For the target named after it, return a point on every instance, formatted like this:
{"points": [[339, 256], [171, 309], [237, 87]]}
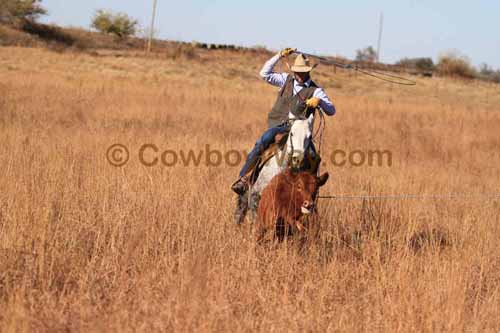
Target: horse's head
{"points": [[299, 140]]}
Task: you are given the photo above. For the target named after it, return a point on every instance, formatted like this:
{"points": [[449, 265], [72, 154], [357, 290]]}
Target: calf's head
{"points": [[304, 190]]}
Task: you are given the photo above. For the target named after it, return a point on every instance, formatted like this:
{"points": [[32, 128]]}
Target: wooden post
{"points": [[381, 27], [152, 29]]}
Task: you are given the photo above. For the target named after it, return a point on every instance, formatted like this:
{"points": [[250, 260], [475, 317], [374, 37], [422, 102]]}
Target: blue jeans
{"points": [[260, 146]]}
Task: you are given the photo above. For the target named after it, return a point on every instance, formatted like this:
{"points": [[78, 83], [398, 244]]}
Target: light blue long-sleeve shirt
{"points": [[279, 79]]}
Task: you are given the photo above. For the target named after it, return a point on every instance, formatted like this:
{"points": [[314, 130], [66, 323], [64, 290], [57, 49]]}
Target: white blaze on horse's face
{"points": [[298, 140]]}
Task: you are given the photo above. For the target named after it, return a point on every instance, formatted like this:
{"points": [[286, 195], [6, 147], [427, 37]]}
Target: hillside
{"points": [[87, 246], [80, 40]]}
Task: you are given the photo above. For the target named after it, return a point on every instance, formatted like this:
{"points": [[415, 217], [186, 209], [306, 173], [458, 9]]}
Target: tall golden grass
{"points": [[85, 246]]}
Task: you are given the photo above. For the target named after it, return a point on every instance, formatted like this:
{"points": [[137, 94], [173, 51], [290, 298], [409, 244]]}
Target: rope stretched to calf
{"points": [[493, 197]]}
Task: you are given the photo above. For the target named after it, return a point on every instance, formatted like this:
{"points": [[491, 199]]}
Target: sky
{"points": [[412, 28]]}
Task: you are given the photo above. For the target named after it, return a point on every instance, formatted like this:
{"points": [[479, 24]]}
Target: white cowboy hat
{"points": [[302, 65]]}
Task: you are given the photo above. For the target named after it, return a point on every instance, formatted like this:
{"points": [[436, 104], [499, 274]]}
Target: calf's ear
{"points": [[321, 180]]}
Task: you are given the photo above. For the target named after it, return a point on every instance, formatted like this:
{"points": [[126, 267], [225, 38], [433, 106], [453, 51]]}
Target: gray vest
{"points": [[287, 102]]}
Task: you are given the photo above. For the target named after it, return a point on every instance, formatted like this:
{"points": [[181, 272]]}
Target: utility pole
{"points": [[152, 28], [381, 27]]}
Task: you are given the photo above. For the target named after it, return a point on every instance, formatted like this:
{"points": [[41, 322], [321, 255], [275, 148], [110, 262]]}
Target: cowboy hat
{"points": [[302, 65]]}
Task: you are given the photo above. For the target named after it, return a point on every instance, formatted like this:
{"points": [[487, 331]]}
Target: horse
{"points": [[292, 155]]}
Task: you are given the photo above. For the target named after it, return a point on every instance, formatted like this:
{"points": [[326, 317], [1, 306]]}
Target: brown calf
{"points": [[286, 201]]}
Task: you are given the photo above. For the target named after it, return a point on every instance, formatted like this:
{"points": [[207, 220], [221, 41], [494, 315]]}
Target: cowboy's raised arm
{"points": [[324, 101], [267, 73]]}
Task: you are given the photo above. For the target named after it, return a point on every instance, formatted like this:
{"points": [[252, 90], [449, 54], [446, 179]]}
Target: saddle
{"points": [[311, 163]]}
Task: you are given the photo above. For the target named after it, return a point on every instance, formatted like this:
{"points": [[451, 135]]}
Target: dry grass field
{"points": [[86, 246]]}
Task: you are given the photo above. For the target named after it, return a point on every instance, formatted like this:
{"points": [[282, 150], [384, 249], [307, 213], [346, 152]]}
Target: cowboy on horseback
{"points": [[298, 93]]}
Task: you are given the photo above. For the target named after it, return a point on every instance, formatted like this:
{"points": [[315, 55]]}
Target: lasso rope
{"points": [[375, 74], [415, 197]]}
